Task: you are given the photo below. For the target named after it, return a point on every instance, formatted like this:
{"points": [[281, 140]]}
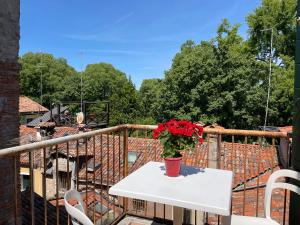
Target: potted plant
{"points": [[176, 136]]}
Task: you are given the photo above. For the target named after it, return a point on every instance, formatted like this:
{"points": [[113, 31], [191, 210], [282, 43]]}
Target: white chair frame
{"points": [[272, 184], [79, 211]]}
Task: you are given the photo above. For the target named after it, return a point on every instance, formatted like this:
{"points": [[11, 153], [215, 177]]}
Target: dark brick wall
{"points": [[9, 116]]}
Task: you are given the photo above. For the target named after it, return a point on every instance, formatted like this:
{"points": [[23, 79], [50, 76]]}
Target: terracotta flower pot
{"points": [[172, 166]]}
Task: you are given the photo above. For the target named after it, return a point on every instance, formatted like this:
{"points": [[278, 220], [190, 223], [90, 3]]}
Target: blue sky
{"points": [[139, 37]]}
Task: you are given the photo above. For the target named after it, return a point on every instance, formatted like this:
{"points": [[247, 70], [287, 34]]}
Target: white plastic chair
{"points": [[77, 212], [271, 185]]}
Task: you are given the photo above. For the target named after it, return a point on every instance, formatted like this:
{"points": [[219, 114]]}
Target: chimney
{"points": [[45, 130], [214, 146]]}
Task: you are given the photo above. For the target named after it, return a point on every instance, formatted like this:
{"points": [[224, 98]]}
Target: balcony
{"points": [[94, 161]]}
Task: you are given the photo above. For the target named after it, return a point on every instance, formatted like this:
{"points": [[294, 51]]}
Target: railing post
{"points": [[125, 157], [294, 215]]}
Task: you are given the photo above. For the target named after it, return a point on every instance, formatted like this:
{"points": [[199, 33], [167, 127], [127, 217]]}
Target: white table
{"points": [[206, 189]]}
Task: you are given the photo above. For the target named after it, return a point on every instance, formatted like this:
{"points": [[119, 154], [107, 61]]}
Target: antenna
{"points": [[81, 81], [40, 66], [270, 74]]}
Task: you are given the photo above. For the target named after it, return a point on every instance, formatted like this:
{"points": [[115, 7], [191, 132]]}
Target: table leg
{"points": [[177, 215]]}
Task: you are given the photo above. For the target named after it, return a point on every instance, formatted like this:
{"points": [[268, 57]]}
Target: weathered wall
{"points": [[9, 119]]}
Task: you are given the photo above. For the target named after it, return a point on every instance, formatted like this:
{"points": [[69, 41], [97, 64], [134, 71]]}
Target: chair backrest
{"points": [[77, 212], [272, 184]]}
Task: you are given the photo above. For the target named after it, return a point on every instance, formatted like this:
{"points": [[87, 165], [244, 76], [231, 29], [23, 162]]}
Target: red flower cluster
{"points": [[180, 128]]}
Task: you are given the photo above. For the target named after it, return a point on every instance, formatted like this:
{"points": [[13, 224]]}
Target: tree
{"points": [[283, 90], [279, 15], [42, 71], [216, 81], [103, 82], [149, 94]]}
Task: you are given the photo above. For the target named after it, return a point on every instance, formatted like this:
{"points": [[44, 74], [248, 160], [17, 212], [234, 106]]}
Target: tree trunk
{"points": [[9, 108]]}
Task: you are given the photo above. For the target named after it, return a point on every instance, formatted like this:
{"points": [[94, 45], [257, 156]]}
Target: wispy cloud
{"points": [[123, 18], [94, 35], [116, 51], [81, 37]]}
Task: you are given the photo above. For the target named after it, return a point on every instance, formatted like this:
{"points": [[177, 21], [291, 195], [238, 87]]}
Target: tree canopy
{"points": [[149, 95], [216, 81], [43, 73], [103, 82], [277, 15]]}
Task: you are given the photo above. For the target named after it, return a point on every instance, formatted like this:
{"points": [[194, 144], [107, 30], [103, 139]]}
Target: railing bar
{"points": [[86, 172], [68, 165], [94, 179], [164, 211], [68, 174], [155, 159], [107, 169], [147, 148], [219, 151], [218, 219], [16, 174], [146, 159], [60, 140], [272, 158], [101, 175], [44, 186], [258, 173], [196, 217], [125, 157], [56, 172], [119, 169], [113, 178], [232, 152], [244, 191], [208, 141], [31, 164], [284, 207], [119, 156], [233, 157], [77, 165]]}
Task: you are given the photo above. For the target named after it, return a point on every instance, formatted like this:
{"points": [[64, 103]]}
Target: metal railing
{"points": [[95, 160]]}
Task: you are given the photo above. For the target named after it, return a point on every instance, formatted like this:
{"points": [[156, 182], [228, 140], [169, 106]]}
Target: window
{"points": [[62, 180], [131, 157], [138, 205], [25, 182]]}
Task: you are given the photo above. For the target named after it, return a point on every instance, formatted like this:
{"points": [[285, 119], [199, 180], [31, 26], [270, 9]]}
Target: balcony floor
{"points": [[132, 220]]}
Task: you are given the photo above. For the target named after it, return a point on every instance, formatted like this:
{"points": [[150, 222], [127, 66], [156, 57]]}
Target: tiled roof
{"points": [[27, 105], [28, 135], [243, 160], [39, 210], [286, 129]]}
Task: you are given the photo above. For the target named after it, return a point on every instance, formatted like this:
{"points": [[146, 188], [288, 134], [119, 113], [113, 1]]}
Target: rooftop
{"points": [[27, 105]]}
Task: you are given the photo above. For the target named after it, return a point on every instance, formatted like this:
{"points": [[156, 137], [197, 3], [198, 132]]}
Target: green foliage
{"points": [[149, 94], [277, 14], [103, 82], [221, 81], [54, 72]]}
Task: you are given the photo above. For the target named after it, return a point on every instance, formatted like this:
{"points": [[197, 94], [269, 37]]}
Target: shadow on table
{"points": [[187, 170]]}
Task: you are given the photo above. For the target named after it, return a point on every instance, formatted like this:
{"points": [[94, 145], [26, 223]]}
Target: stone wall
{"points": [[9, 119]]}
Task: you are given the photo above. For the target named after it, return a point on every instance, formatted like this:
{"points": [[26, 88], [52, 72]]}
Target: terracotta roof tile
{"points": [[27, 105]]}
